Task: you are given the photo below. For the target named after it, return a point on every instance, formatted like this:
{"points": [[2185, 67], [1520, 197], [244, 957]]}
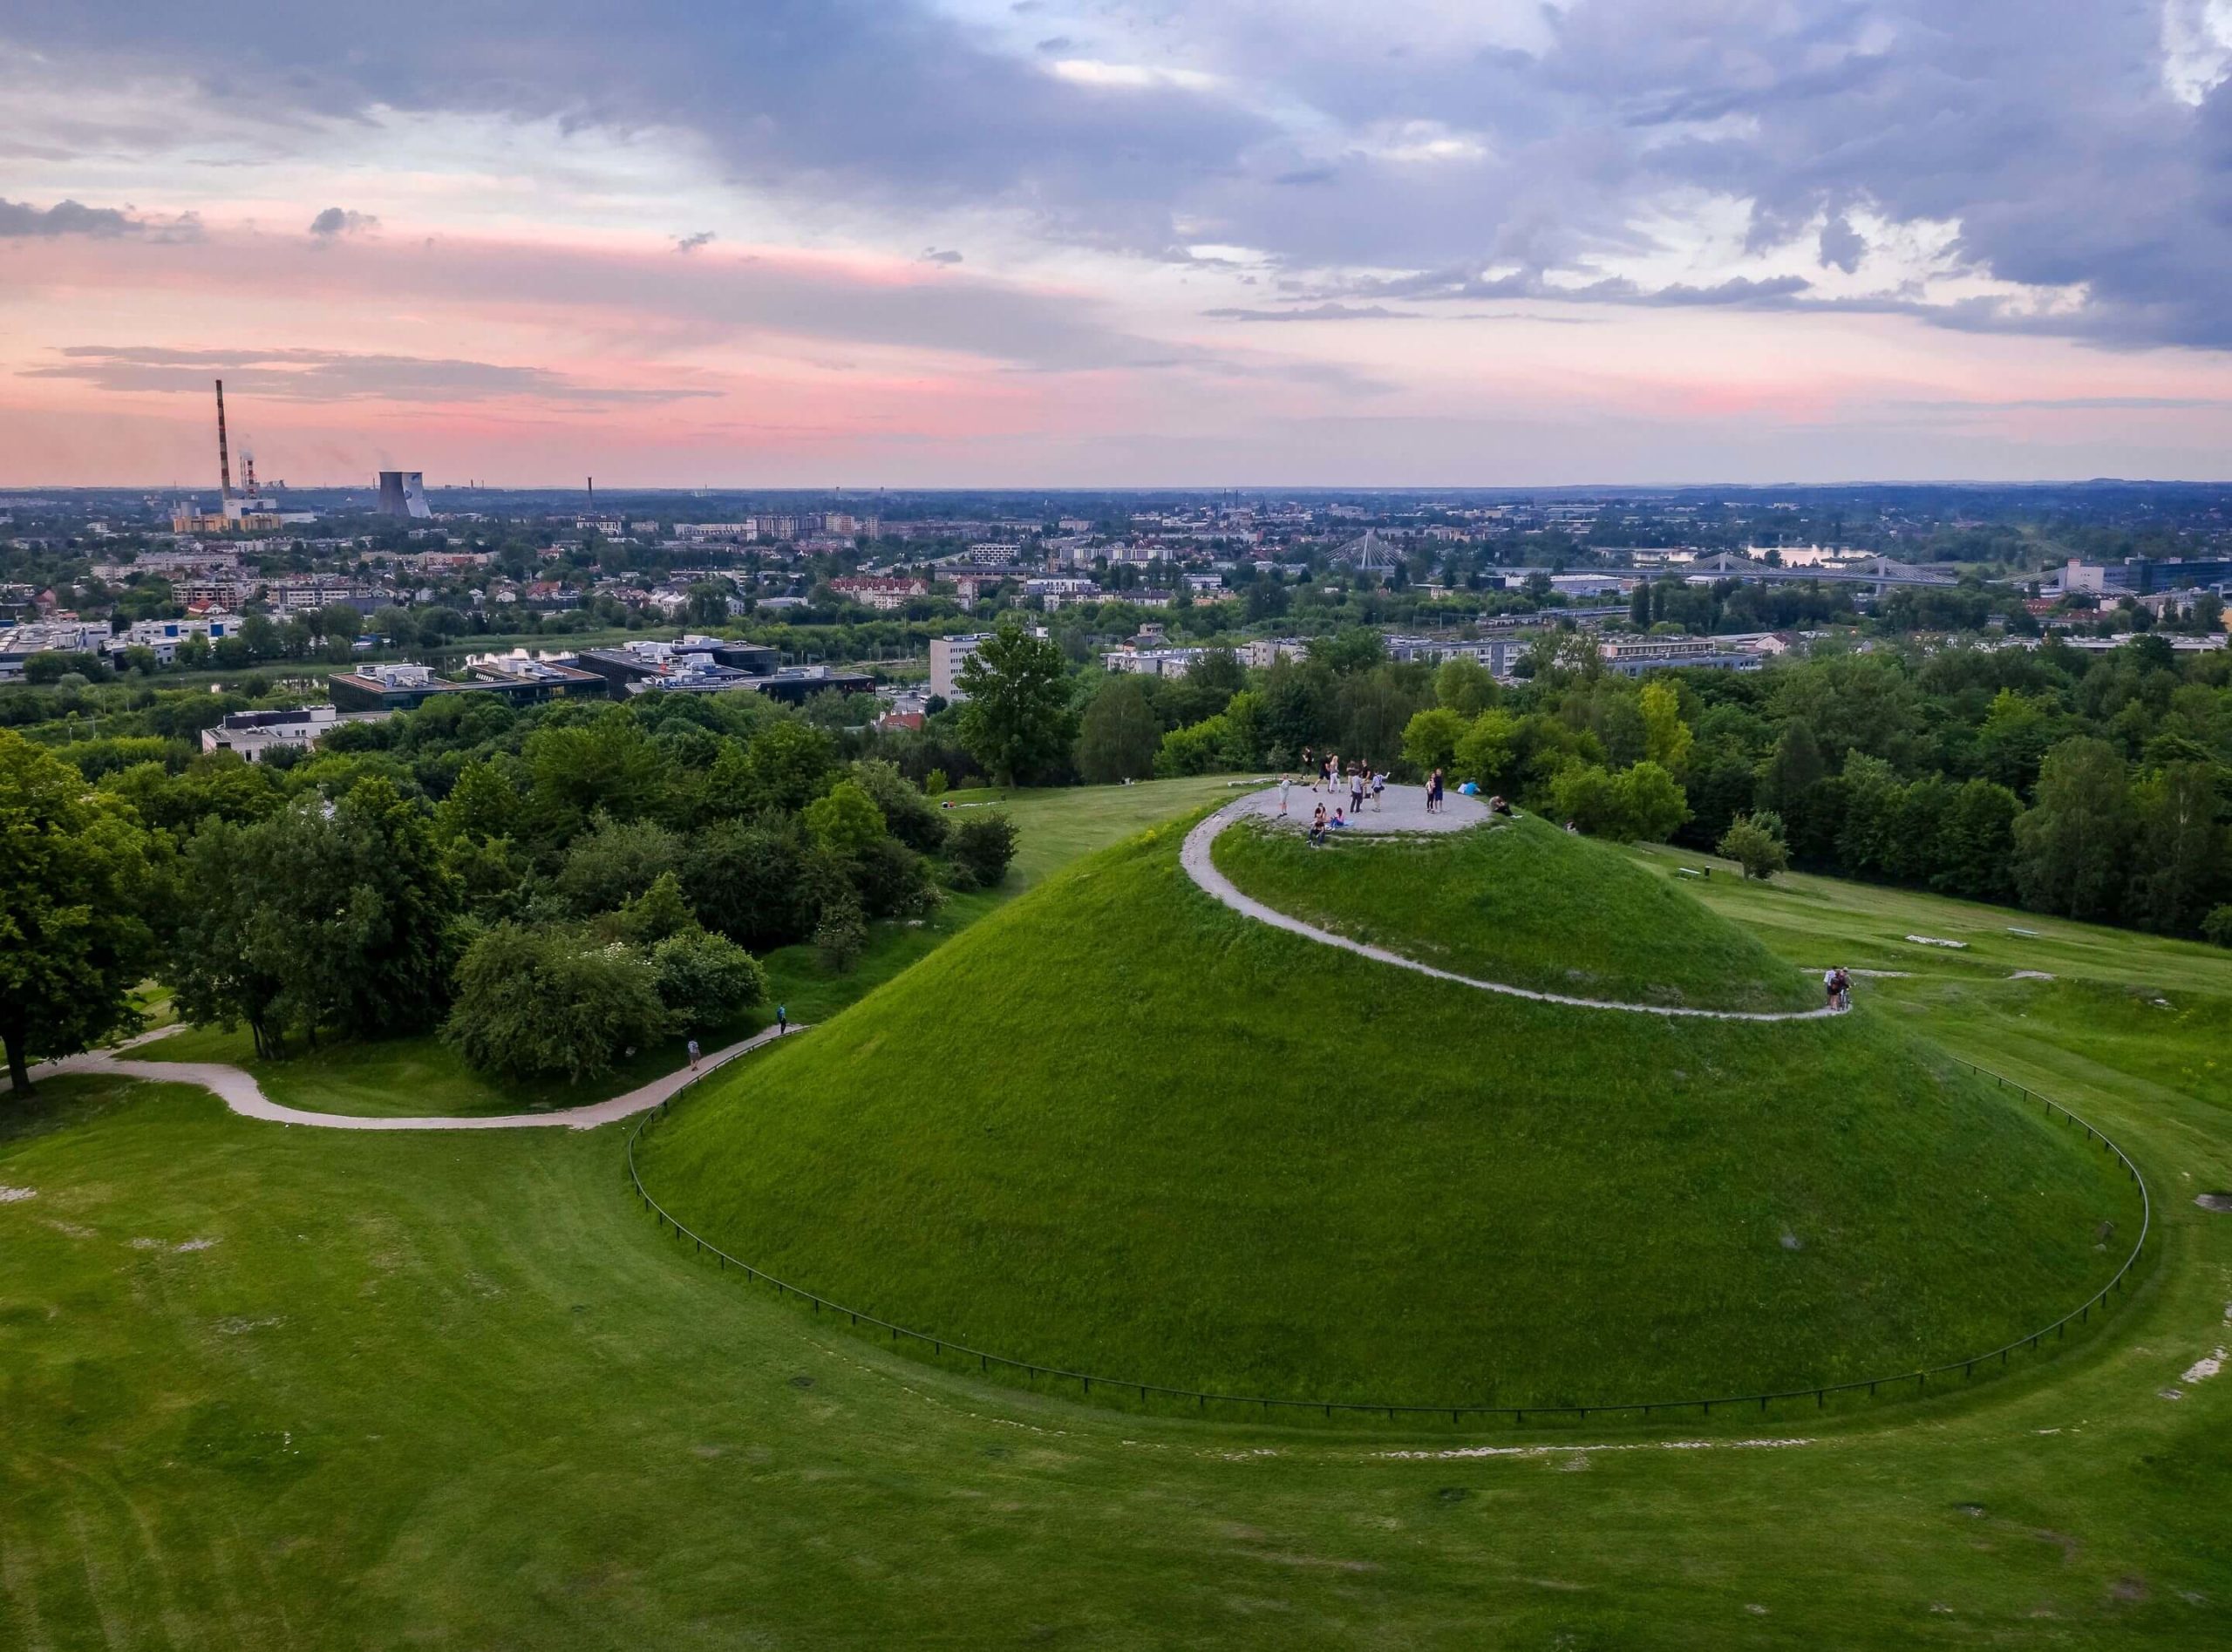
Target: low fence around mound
{"points": [[1266, 1405]]}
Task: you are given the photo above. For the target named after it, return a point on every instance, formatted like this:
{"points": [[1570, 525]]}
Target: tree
{"points": [[1465, 686], [614, 862], [1755, 842], [1430, 739], [1016, 720], [2070, 845], [1587, 795], [1201, 748], [908, 815], [749, 882], [1488, 752], [1651, 804], [2178, 864], [708, 604], [1666, 738], [842, 933], [75, 879], [790, 764], [980, 849], [704, 980], [844, 819], [1975, 844], [552, 1002], [1117, 737]]}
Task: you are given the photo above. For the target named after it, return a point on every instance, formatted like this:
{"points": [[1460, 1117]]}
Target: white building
{"points": [[948, 654], [253, 733], [1151, 661], [1264, 650], [164, 637]]}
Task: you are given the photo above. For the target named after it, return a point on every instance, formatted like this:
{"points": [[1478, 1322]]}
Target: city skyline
{"points": [[1055, 245]]}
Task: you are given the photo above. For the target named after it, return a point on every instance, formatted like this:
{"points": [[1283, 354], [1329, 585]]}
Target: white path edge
{"points": [[240, 1091], [1194, 857]]}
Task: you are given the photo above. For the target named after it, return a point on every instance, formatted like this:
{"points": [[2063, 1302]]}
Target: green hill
{"points": [[1521, 902], [1118, 1128]]}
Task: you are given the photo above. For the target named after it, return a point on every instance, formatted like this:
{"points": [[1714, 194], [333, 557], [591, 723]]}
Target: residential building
{"points": [[1264, 651], [948, 655], [1633, 655], [882, 594], [251, 734]]}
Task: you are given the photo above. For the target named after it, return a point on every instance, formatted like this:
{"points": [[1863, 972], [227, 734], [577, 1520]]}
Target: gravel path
{"points": [[244, 1096], [1405, 813]]}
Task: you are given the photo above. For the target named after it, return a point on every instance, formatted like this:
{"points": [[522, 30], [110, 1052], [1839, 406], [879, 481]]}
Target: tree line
{"points": [[548, 888]]}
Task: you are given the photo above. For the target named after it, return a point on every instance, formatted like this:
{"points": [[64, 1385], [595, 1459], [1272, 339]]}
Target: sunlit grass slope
{"points": [[1518, 902], [1121, 1128]]}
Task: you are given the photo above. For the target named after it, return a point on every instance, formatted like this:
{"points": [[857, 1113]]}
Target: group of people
{"points": [[1837, 983], [1329, 775]]}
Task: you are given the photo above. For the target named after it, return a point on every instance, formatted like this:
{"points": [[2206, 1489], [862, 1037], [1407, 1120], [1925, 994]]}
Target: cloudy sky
{"points": [[815, 242]]}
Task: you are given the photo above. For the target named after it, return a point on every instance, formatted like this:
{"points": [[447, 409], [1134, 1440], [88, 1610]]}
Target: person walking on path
{"points": [[1286, 784], [782, 1021], [1829, 988], [1378, 786], [1310, 768], [1433, 793], [1356, 791], [693, 1055]]}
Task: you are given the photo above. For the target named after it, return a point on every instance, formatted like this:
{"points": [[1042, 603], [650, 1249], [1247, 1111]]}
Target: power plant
{"points": [[245, 511], [404, 493]]}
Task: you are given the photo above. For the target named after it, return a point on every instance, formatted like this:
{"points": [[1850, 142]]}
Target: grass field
{"points": [[454, 1391], [1321, 1177], [1520, 903]]}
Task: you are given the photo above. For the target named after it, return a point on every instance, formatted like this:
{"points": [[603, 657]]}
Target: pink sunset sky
{"points": [[1270, 241]]}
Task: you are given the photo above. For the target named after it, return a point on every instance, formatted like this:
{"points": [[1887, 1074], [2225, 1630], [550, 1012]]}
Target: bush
{"points": [[980, 850], [2217, 927], [748, 882], [1200, 749], [841, 935], [892, 881], [1755, 842], [1430, 739], [1588, 796], [908, 815], [704, 980], [845, 820], [1651, 804], [551, 1003]]}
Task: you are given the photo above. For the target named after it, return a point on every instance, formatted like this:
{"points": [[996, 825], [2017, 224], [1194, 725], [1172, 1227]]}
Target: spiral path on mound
{"points": [[1403, 811]]}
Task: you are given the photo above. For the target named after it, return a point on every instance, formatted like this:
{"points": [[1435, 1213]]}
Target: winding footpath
{"points": [[240, 1091], [1405, 813]]}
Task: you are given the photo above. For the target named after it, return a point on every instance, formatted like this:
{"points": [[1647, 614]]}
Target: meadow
{"points": [[279, 1388]]}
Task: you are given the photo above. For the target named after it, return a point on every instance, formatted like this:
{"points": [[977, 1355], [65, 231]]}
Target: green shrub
{"points": [[552, 1002], [704, 980], [980, 850], [1755, 842], [845, 820]]}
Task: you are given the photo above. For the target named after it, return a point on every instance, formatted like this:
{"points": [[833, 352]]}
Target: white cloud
{"points": [[2196, 47]]}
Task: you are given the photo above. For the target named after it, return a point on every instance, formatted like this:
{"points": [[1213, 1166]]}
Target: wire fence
{"points": [[1266, 1406]]}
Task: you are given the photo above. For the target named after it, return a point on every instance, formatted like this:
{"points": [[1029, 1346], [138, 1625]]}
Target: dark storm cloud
{"points": [[2044, 129], [20, 221], [335, 223]]}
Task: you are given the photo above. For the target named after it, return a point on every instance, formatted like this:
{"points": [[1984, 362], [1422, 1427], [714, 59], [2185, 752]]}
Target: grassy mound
{"points": [[1120, 1127], [1518, 902]]}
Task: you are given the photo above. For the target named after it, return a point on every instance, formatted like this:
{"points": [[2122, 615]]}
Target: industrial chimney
{"points": [[224, 459]]}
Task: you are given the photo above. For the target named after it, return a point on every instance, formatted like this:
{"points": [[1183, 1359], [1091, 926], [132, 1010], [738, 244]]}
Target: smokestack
{"points": [[224, 459]]}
